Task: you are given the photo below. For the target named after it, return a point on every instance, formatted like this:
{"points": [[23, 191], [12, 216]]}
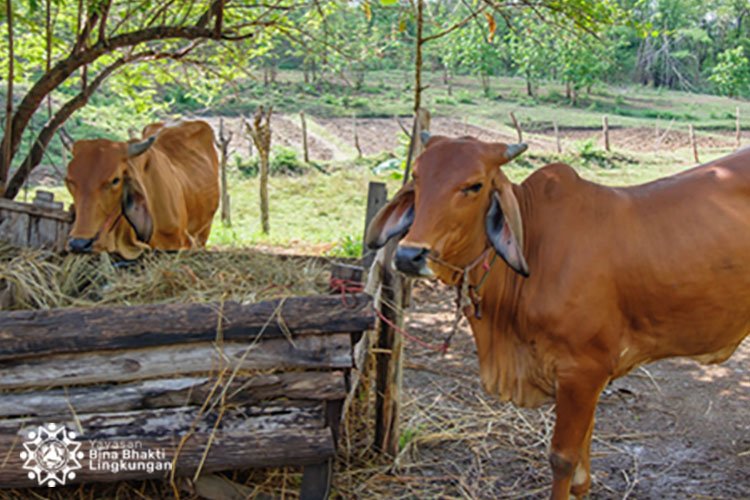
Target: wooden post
{"points": [[694, 145], [305, 150], [260, 131], [388, 357], [517, 125], [356, 136], [395, 292], [377, 196], [605, 131], [225, 137], [738, 130], [557, 137]]}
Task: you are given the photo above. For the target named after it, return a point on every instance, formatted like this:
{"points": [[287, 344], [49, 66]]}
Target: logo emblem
{"points": [[51, 455]]}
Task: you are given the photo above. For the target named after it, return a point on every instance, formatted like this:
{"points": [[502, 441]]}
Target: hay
{"points": [[41, 280]]}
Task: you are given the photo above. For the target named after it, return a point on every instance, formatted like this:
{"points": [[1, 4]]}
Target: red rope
{"points": [[348, 286], [443, 348], [345, 286]]}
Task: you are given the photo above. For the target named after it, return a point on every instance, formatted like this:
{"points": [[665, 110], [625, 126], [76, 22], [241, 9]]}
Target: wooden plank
{"points": [[14, 227], [244, 437], [171, 392], [377, 197], [39, 211], [161, 423], [27, 333], [310, 352], [316, 481]]}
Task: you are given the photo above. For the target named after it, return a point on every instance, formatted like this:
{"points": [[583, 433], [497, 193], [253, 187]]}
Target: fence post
{"points": [[225, 137], [557, 137], [377, 196], [305, 150], [738, 130], [605, 131], [694, 145], [517, 125], [356, 136]]}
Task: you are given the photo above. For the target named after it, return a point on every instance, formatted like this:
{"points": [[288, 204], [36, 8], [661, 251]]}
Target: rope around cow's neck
{"points": [[467, 295]]}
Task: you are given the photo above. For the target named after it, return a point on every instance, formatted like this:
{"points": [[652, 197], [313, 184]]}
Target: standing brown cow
{"points": [[159, 193], [595, 281]]}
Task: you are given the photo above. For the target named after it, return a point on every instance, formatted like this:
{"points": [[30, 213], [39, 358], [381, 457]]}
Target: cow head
{"points": [[457, 205], [104, 178]]}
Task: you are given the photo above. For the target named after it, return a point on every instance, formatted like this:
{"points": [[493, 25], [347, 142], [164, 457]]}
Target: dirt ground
{"points": [[675, 429]]}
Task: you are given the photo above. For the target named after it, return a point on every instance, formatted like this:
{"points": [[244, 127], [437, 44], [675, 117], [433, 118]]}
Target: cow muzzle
{"points": [[413, 261], [81, 245]]}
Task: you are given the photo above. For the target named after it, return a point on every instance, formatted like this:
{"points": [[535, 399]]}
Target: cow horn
{"points": [[138, 148], [425, 136], [513, 150]]}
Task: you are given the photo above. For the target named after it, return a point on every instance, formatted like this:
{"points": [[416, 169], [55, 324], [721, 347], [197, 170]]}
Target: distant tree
{"points": [[731, 74]]}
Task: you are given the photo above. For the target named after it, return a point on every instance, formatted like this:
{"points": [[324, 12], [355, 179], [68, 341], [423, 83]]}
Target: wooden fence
{"points": [[205, 387]]}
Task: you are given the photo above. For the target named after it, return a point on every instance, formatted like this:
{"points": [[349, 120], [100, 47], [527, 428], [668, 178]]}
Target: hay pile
{"points": [[33, 279]]}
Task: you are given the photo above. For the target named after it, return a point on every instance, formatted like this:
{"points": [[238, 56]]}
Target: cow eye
{"points": [[474, 188], [115, 181]]}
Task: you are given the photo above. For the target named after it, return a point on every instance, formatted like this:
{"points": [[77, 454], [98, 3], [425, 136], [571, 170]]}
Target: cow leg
{"points": [[575, 407], [582, 476]]}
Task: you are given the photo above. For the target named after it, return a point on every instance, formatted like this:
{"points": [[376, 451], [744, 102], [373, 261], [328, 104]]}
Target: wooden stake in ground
{"points": [[737, 129], [225, 137], [260, 131], [356, 136], [693, 144], [557, 137], [517, 125], [605, 132], [305, 150]]}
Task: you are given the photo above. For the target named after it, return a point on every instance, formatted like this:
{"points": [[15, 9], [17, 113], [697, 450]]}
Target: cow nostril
{"points": [[81, 245], [412, 260]]}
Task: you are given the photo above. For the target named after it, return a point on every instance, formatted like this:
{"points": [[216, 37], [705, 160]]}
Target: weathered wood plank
{"points": [[171, 392], [14, 227], [35, 210], [228, 451], [313, 351], [27, 333], [166, 423]]}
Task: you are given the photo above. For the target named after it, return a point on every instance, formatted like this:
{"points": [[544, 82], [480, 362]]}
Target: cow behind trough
{"points": [[161, 192], [591, 281]]}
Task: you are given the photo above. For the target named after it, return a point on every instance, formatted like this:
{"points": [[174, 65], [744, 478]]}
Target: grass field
{"points": [[323, 213]]}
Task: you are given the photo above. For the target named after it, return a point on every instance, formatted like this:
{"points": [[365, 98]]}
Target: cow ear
{"points": [[393, 220], [135, 208], [505, 229]]}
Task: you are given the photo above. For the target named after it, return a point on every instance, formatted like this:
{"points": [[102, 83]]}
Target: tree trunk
{"points": [[418, 58], [225, 138], [7, 151], [260, 131]]}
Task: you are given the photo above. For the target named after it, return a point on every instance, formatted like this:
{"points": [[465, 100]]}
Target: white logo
{"points": [[51, 455]]}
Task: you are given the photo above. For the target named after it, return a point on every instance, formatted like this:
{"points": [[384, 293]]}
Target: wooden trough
{"points": [[203, 387], [41, 224]]}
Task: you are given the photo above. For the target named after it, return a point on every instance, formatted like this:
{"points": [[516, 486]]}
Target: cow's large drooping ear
{"points": [[135, 208], [505, 229], [393, 220]]}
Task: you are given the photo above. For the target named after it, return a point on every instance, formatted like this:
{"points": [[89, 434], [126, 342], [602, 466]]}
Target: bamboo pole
{"points": [[517, 125], [693, 143]]}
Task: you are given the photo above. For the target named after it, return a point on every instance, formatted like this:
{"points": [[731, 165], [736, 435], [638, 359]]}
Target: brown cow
{"points": [[159, 193], [598, 279]]}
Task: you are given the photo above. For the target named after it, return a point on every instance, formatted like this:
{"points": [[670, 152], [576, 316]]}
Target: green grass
{"points": [[325, 213]]}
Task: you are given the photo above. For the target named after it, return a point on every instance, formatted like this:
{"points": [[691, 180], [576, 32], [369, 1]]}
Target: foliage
{"points": [[731, 74]]}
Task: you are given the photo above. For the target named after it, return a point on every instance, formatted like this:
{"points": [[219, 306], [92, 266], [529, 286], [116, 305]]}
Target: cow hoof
{"points": [[580, 491]]}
